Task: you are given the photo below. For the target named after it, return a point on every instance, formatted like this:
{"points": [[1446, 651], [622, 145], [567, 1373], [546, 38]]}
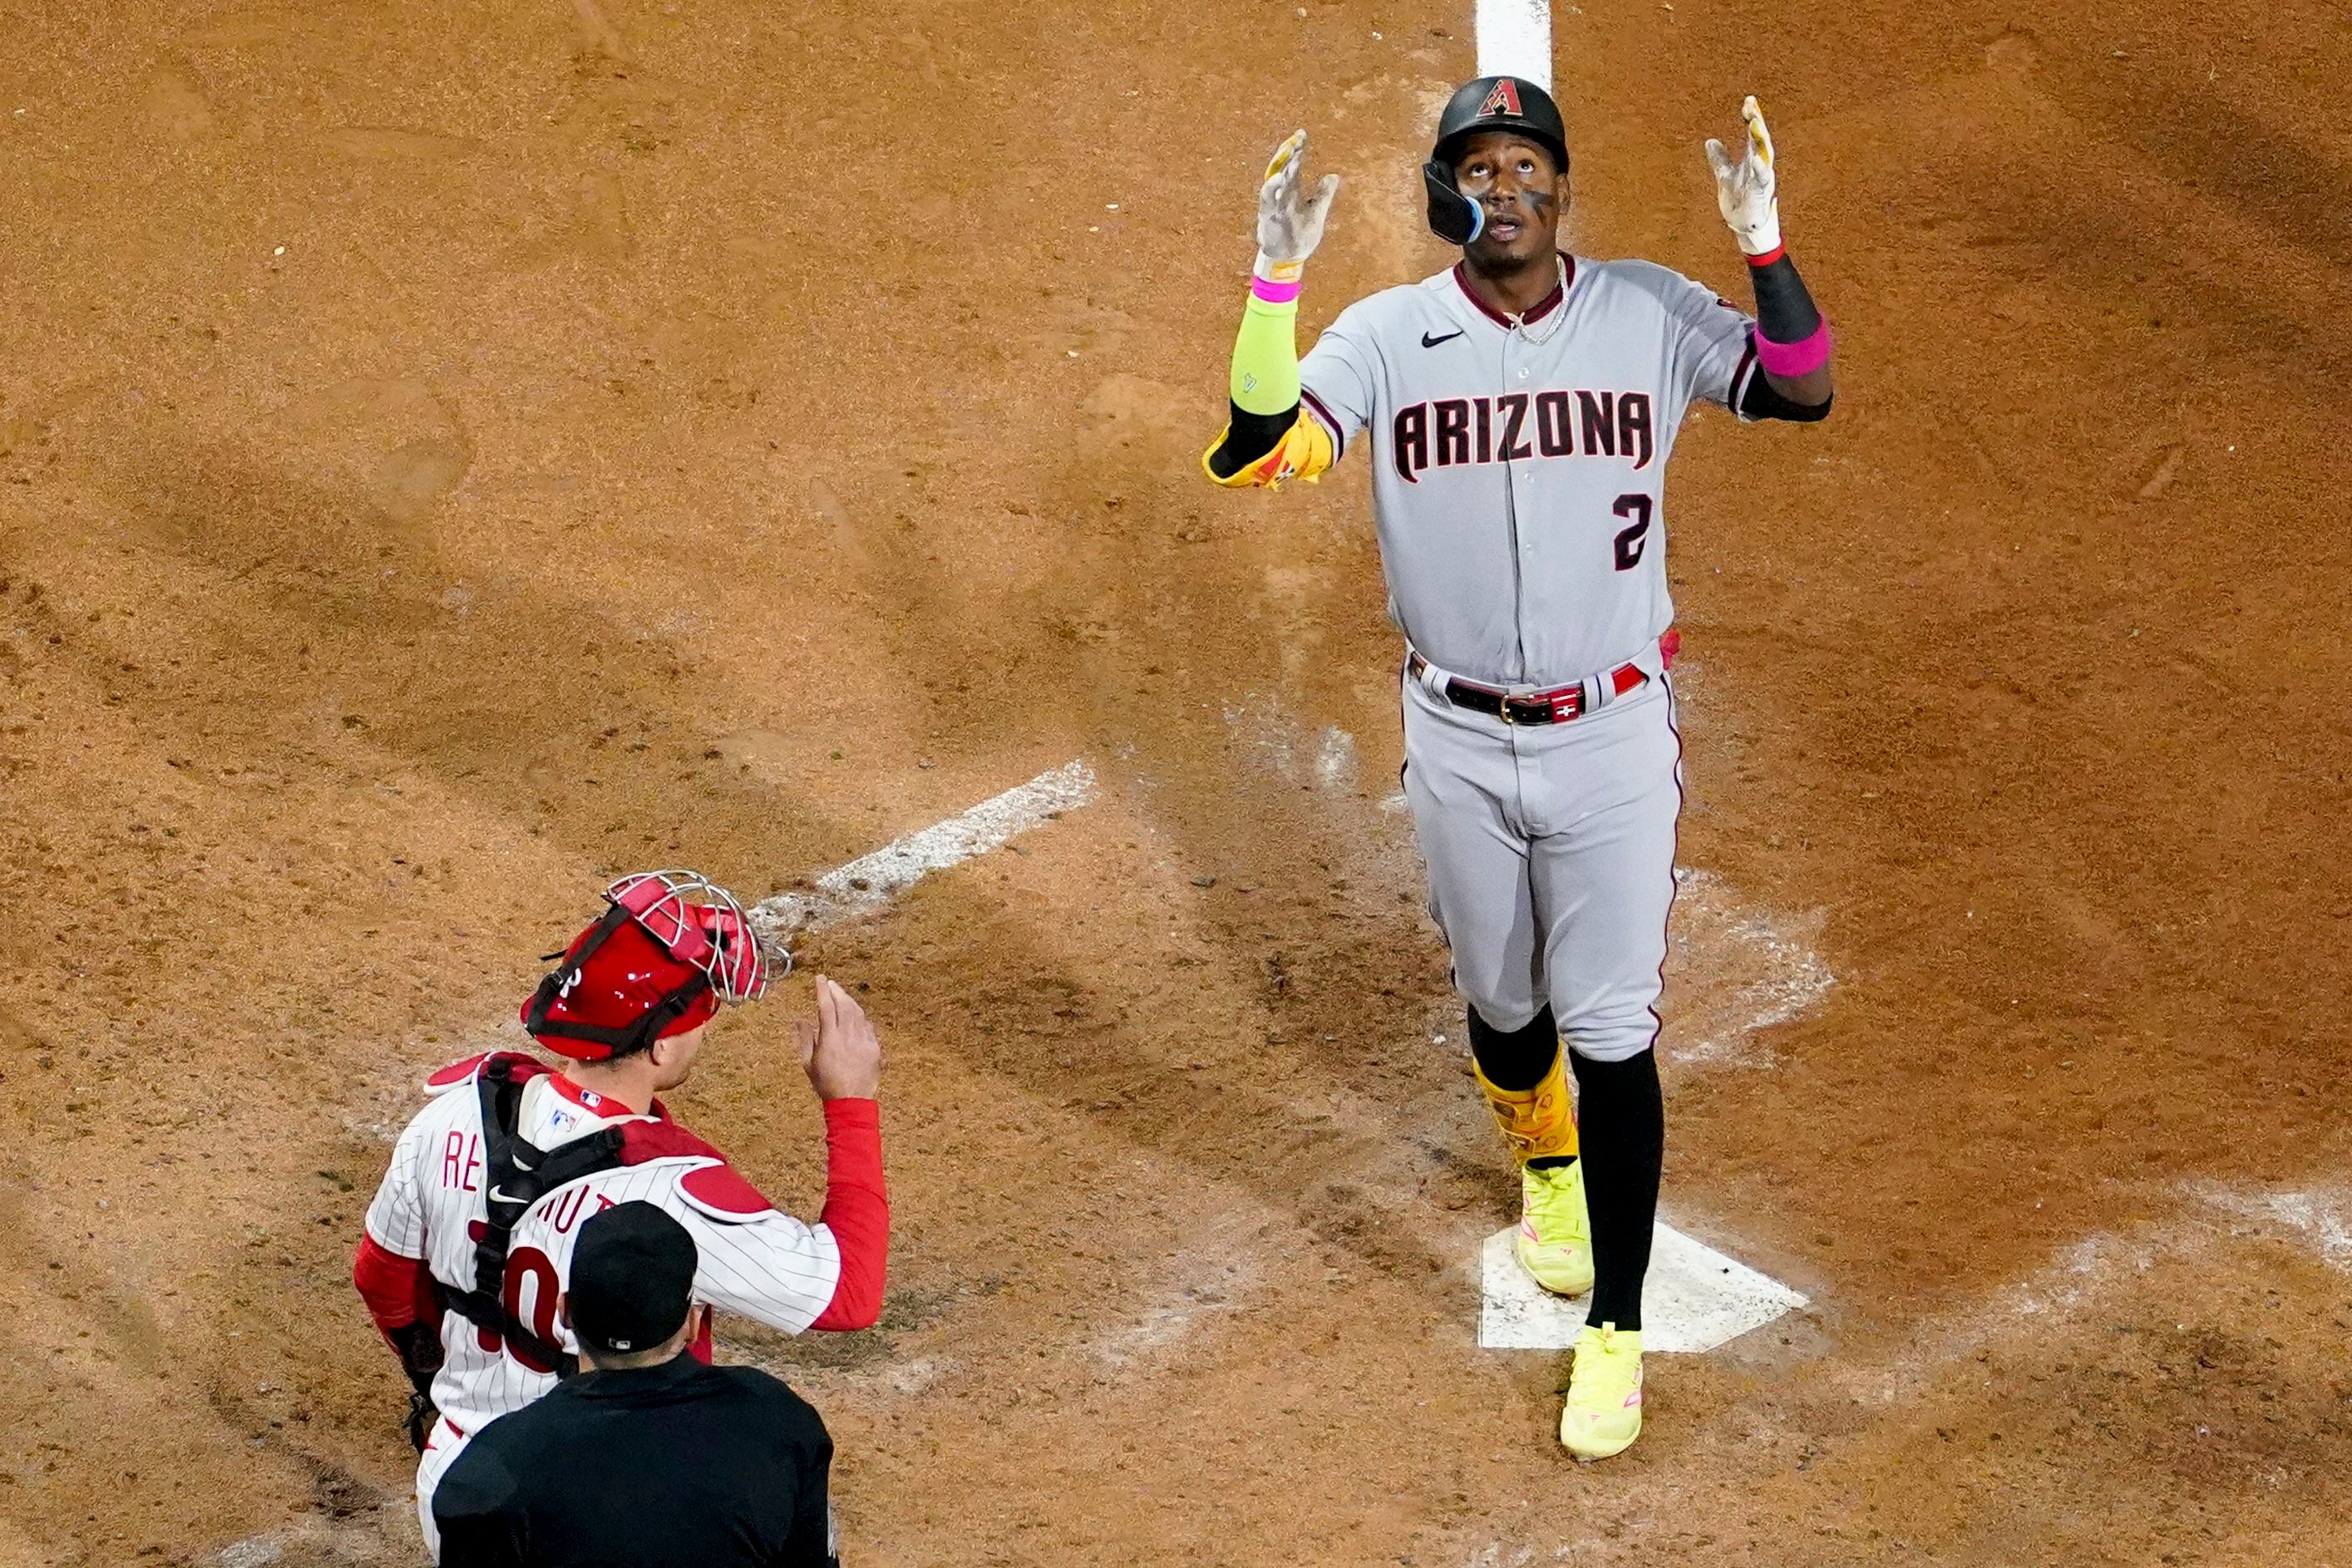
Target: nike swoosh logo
{"points": [[1429, 342], [498, 1195]]}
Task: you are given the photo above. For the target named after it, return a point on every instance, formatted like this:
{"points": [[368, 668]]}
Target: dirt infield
{"points": [[455, 451]]}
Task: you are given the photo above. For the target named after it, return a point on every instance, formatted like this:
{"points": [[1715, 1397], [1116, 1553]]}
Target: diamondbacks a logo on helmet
{"points": [[1503, 99]]}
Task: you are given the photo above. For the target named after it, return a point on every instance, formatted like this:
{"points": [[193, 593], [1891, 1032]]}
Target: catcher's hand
{"points": [[1290, 222], [421, 1418], [1746, 192]]}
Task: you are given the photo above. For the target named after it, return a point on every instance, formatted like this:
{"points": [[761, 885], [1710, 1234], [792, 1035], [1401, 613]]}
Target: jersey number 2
{"points": [[1635, 535]]}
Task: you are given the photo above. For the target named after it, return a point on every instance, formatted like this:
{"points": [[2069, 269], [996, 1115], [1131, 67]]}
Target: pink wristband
{"points": [[1795, 359], [1272, 292]]}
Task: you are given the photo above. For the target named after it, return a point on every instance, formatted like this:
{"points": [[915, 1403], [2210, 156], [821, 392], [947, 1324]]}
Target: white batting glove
{"points": [[1747, 191], [1290, 222]]}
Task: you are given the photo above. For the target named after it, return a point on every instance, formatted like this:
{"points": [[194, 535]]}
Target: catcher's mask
{"points": [[1491, 103], [670, 948]]}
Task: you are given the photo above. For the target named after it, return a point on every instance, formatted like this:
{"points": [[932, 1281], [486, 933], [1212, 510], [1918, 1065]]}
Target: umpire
{"points": [[648, 1459]]}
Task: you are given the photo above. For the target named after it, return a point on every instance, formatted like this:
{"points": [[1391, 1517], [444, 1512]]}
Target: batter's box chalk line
{"points": [[871, 881], [1696, 1299]]}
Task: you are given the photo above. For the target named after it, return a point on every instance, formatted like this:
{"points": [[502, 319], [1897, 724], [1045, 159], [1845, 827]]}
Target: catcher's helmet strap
{"points": [[1452, 217], [641, 1032], [553, 984], [618, 1042]]}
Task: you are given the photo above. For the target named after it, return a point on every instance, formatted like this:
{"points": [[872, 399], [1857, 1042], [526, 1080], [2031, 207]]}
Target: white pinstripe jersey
{"points": [[755, 1260]]}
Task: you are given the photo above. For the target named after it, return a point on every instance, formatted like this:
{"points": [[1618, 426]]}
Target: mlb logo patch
{"points": [[1504, 100]]}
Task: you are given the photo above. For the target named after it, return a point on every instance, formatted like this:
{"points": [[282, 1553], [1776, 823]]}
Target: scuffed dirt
{"points": [[453, 454]]}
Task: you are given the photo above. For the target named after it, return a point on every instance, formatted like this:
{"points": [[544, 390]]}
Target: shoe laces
{"points": [[1554, 1201], [1612, 1342]]}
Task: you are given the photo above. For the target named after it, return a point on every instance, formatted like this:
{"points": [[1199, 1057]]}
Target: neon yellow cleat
{"points": [[1555, 1239], [1603, 1414]]}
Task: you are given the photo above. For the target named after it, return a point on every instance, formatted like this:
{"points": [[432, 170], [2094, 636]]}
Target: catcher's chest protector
{"points": [[519, 1174]]}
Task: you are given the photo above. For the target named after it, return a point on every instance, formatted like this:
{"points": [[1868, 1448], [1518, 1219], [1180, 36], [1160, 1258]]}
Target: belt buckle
{"points": [[1503, 708]]}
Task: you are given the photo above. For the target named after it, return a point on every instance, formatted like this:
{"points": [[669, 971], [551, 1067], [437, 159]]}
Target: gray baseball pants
{"points": [[1550, 853]]}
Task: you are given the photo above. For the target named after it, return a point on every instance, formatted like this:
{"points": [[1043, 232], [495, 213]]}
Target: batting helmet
{"points": [[670, 948], [1509, 103]]}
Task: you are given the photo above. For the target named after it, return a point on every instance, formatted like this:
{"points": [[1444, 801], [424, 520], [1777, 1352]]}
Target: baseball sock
{"points": [[1622, 1120], [1519, 1059]]}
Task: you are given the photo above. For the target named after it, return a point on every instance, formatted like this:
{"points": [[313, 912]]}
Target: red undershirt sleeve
{"points": [[856, 1211], [398, 1290]]}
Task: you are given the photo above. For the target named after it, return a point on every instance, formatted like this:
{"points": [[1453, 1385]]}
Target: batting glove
{"points": [[1747, 191], [1289, 222]]}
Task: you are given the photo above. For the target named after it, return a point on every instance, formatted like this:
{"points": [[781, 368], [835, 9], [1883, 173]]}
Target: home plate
{"points": [[1694, 1300]]}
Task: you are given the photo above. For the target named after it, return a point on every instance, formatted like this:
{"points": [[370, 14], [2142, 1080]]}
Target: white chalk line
{"points": [[1775, 976], [2081, 1276], [870, 881], [1515, 40], [2322, 1215]]}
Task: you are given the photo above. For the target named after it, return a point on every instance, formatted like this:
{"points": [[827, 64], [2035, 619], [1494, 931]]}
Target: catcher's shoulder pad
{"points": [[458, 1075], [712, 1186], [720, 1191]]}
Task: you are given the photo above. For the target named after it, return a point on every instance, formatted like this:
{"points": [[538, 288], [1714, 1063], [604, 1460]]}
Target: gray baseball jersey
{"points": [[1518, 472]]}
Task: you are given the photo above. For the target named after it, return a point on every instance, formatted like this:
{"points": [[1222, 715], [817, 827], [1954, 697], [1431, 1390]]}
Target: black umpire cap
{"points": [[632, 1279]]}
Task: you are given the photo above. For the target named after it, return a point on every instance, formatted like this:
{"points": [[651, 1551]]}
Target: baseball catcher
{"points": [[1520, 407], [469, 1238]]}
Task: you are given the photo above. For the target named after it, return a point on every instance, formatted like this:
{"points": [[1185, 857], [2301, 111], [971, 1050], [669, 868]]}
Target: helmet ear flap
{"points": [[1452, 217]]}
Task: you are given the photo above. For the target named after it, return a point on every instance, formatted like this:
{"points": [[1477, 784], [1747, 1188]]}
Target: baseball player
{"points": [[469, 1237], [1520, 407]]}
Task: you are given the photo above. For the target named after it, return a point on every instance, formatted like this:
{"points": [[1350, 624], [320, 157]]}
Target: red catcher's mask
{"points": [[670, 948]]}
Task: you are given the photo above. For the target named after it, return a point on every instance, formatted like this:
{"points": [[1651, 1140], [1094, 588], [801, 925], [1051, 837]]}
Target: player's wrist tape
{"points": [[1795, 359], [1277, 283], [1766, 258]]}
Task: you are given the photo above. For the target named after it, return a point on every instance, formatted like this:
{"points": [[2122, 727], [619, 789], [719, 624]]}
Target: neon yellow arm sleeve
{"points": [[1265, 384], [1265, 353]]}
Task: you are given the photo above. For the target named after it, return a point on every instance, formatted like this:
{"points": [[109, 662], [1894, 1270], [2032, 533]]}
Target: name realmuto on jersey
{"points": [[1451, 431]]}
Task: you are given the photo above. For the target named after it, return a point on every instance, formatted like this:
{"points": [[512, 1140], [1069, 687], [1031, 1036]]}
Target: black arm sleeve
{"points": [[1784, 307], [1763, 400], [1785, 313], [1252, 436]]}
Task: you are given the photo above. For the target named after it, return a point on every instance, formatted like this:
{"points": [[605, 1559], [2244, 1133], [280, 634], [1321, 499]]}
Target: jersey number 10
{"points": [[526, 1263]]}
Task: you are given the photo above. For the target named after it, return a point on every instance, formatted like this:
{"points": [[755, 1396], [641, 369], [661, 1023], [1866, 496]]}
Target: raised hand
{"points": [[839, 1051], [1747, 191], [1289, 221]]}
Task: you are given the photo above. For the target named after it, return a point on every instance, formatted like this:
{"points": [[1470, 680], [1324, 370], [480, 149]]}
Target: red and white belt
{"points": [[1555, 705]]}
